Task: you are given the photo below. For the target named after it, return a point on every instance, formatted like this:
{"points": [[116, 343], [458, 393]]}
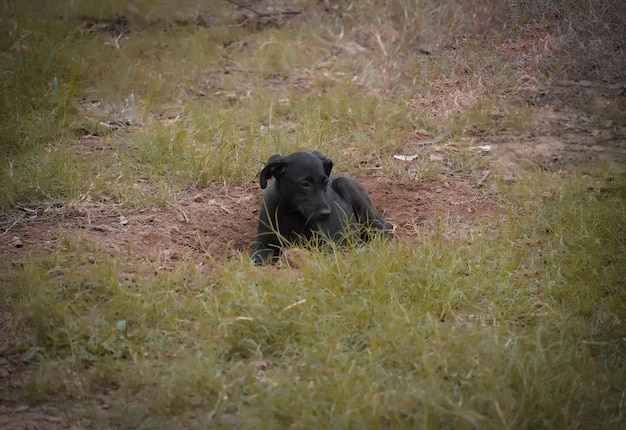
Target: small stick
{"points": [[259, 14], [184, 214], [11, 226], [246, 8], [484, 177]]}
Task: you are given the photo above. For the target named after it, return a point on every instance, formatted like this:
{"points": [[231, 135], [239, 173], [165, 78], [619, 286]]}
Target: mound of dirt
{"points": [[222, 219]]}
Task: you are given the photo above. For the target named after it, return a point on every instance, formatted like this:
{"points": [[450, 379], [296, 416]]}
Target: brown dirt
{"points": [[221, 219], [577, 123]]}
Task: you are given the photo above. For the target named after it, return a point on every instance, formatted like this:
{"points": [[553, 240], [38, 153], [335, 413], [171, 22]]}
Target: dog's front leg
{"points": [[267, 245], [262, 254]]}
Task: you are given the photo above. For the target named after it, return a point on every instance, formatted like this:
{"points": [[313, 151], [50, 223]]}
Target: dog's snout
{"points": [[324, 213]]}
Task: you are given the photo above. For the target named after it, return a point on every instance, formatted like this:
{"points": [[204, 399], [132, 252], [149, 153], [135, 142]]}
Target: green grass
{"points": [[518, 324], [203, 103], [518, 327]]}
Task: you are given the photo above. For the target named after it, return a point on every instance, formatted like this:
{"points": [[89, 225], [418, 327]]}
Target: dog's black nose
{"points": [[325, 213]]}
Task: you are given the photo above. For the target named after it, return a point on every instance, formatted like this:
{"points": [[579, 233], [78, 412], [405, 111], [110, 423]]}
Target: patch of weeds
{"points": [[607, 108], [591, 29], [511, 326]]}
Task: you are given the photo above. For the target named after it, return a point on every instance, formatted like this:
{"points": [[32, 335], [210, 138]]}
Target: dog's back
{"points": [[304, 200]]}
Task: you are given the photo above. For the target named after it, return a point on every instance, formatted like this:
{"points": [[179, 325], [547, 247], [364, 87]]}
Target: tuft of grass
{"points": [[176, 105], [593, 30]]}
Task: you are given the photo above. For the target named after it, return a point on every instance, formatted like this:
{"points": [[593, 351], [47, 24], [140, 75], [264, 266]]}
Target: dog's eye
{"points": [[305, 184]]}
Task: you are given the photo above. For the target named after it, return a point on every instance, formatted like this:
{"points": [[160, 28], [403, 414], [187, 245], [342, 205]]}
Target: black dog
{"points": [[305, 201]]}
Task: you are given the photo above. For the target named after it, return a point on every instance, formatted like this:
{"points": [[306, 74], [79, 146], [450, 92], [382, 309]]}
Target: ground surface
{"points": [[222, 218], [220, 221]]}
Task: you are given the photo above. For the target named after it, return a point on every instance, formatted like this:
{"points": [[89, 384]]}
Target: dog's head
{"points": [[301, 180]]}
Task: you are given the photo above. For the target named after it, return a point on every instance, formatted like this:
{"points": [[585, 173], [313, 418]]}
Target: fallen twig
{"points": [[37, 206], [184, 215], [19, 218], [263, 15]]}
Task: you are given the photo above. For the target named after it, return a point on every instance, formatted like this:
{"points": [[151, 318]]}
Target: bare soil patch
{"points": [[222, 219], [578, 122]]}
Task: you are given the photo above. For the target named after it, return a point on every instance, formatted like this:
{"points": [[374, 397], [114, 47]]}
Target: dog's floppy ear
{"points": [[275, 167], [328, 163]]}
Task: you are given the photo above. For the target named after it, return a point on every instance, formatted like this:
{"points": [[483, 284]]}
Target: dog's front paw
{"points": [[262, 256]]}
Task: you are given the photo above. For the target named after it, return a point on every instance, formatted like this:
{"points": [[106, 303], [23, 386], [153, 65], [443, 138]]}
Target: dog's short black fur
{"points": [[304, 200]]}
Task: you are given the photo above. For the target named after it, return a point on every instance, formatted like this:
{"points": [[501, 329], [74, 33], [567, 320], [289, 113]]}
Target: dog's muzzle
{"points": [[324, 214]]}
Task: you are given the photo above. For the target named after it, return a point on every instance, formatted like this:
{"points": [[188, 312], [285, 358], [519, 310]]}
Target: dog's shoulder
{"points": [[346, 187], [338, 181]]}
